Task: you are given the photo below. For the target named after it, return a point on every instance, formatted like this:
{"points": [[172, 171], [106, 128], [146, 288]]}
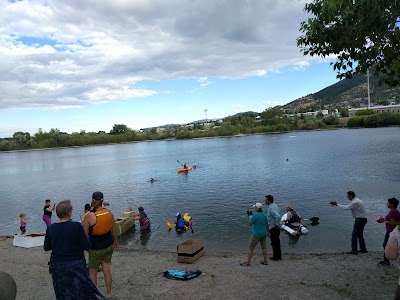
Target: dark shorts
{"points": [[22, 228], [96, 257]]}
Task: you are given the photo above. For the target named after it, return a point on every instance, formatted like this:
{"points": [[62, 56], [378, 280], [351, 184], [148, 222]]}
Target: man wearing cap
{"points": [[274, 230], [259, 222], [99, 225]]}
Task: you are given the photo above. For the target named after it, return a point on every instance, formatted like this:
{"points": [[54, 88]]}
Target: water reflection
{"points": [[293, 239], [145, 236]]}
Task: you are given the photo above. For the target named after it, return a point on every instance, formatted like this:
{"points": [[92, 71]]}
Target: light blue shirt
{"points": [[259, 220], [273, 215]]}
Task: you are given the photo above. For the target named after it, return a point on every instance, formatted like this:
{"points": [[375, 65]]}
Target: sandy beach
{"points": [[139, 275]]}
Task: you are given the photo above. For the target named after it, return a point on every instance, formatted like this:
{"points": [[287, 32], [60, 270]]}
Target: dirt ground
{"points": [[139, 275]]}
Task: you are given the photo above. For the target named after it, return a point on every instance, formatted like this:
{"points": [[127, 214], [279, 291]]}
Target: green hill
{"points": [[347, 92]]}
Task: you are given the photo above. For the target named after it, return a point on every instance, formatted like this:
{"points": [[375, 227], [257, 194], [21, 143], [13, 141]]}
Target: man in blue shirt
{"points": [[259, 222], [274, 230]]}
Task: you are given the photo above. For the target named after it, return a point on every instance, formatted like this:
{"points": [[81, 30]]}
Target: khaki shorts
{"points": [[254, 240], [96, 257]]}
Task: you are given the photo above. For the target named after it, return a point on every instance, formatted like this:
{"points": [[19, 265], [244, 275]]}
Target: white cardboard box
{"points": [[29, 240]]}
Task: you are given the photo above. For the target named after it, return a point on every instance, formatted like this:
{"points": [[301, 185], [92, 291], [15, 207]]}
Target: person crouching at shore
{"points": [[23, 220], [67, 241]]}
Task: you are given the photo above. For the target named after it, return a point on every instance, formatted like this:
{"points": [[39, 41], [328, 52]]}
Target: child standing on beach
{"points": [[23, 220]]}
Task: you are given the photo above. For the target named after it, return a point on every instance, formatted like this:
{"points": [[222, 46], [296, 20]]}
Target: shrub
{"points": [[365, 112], [331, 120]]}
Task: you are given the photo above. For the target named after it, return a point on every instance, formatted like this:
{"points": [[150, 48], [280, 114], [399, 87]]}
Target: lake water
{"points": [[304, 169]]}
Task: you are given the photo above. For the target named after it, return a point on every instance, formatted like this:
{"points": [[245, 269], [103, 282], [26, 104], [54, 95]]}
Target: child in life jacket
{"points": [[144, 220]]}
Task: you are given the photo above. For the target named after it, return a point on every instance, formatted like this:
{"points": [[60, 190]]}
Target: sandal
{"points": [[264, 263], [245, 264]]}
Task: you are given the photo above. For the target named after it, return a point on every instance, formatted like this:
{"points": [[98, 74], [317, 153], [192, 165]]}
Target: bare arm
{"points": [[114, 232], [88, 221], [50, 209]]}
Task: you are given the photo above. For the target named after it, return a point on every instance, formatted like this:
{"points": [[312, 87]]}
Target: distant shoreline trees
{"points": [[271, 120]]}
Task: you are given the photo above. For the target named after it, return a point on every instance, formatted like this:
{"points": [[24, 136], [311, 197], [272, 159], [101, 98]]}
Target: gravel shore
{"points": [[139, 275]]}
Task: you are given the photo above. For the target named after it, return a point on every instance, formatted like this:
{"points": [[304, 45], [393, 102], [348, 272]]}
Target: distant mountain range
{"points": [[343, 93], [346, 92]]}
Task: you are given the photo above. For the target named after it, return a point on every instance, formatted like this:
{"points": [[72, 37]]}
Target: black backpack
{"points": [[295, 217]]}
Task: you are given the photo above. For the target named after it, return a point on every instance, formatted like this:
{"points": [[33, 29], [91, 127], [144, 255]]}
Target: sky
{"points": [[89, 64]]}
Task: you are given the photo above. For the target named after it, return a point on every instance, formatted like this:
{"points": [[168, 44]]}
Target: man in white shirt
{"points": [[357, 208]]}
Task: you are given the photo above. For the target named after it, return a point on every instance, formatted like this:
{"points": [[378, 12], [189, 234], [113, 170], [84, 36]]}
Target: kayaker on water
{"points": [[185, 166]]}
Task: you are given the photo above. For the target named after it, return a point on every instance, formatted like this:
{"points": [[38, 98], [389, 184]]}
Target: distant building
{"points": [[378, 109]]}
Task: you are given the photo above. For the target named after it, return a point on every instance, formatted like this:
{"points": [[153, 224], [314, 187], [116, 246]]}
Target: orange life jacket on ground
{"points": [[104, 222]]}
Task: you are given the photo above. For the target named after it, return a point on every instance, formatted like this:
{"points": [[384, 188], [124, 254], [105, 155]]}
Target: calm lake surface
{"points": [[232, 174]]}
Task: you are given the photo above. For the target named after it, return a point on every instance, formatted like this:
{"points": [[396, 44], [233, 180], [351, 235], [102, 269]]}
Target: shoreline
{"points": [[138, 274], [173, 139]]}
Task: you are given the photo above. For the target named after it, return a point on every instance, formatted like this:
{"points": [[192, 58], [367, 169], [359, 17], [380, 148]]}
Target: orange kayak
{"points": [[181, 170]]}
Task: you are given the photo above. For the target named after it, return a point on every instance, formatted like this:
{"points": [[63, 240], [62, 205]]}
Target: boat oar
{"points": [[179, 162], [312, 219]]}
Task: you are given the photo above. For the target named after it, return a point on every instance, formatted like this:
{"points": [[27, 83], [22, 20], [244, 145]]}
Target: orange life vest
{"points": [[104, 222]]}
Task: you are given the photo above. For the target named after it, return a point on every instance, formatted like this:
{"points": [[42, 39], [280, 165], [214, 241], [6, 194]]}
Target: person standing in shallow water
{"points": [[67, 241], [357, 208], [47, 212]]}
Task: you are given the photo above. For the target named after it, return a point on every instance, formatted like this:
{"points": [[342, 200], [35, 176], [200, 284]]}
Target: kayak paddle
{"points": [[312, 219], [179, 162]]}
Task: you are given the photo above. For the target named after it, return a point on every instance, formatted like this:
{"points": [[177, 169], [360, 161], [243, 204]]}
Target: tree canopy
{"points": [[120, 129], [363, 34]]}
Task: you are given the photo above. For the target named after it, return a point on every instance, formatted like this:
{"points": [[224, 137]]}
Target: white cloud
{"points": [[68, 54]]}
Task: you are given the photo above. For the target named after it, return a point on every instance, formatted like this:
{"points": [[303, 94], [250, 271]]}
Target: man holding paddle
{"points": [[357, 208]]}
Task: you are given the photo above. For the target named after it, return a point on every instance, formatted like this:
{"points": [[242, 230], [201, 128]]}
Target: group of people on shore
{"points": [[97, 234], [268, 225], [73, 277]]}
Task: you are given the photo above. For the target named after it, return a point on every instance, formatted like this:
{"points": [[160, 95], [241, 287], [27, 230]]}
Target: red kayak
{"points": [[182, 170]]}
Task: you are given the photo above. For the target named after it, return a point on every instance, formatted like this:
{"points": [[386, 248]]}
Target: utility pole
{"points": [[369, 96], [205, 111]]}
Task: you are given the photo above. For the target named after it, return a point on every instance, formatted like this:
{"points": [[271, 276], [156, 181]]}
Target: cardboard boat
{"points": [[125, 222]]}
